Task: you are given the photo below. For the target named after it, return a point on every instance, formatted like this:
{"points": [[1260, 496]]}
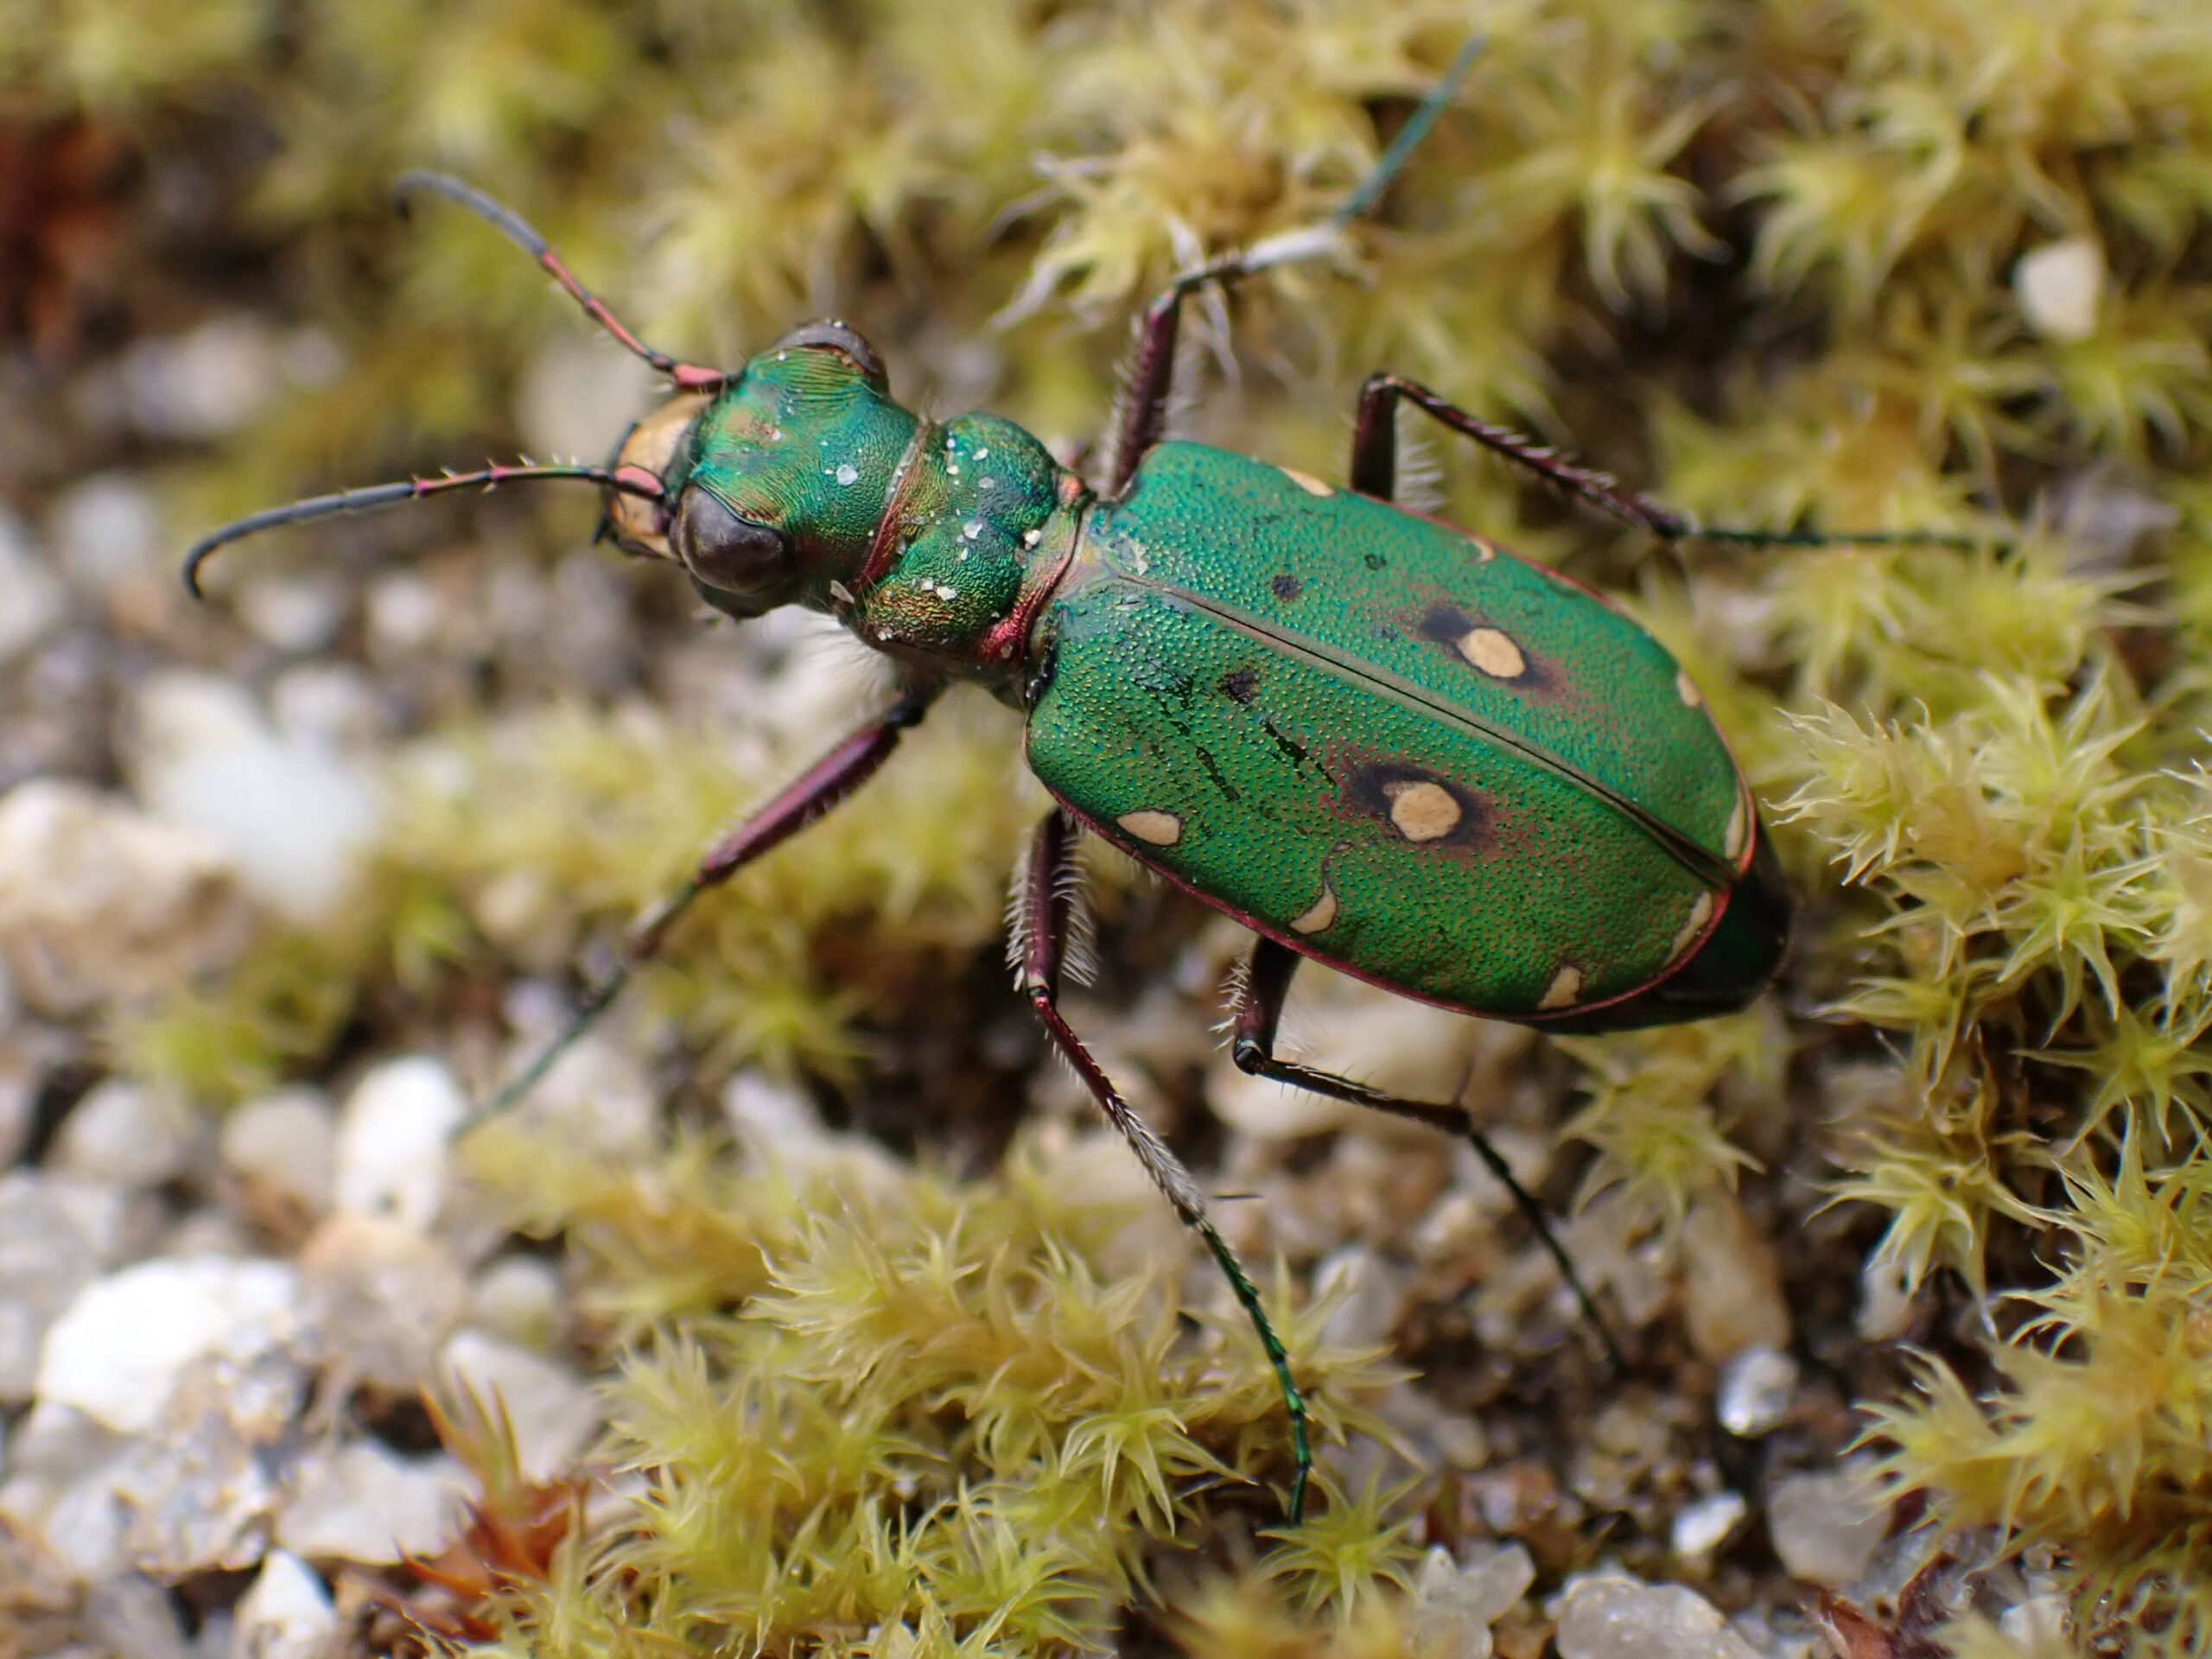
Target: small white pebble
{"points": [[1826, 1528], [392, 1152], [287, 1614], [1755, 1389], [2059, 286], [1703, 1527]]}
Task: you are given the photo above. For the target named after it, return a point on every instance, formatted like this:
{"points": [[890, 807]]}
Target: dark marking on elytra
{"points": [[1213, 771], [1446, 626], [1297, 753], [1239, 686], [1372, 787], [1286, 587], [1374, 561]]}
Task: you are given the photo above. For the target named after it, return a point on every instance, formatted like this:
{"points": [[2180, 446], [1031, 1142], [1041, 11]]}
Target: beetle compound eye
{"points": [[726, 552], [842, 338]]}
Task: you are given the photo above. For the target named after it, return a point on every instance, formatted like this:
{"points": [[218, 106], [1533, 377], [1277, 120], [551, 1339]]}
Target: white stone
{"points": [[123, 1134], [129, 1614], [1703, 1527], [1610, 1616], [117, 1352], [106, 531], [286, 1615], [593, 1098], [520, 1297], [335, 705], [2043, 1625], [362, 1503], [394, 1140], [31, 595], [1365, 1293], [1755, 1387], [2059, 286], [553, 1411], [1732, 1285], [204, 383], [279, 1153], [1456, 1602], [198, 1489], [296, 614], [60, 1496], [292, 813], [100, 903], [1885, 1305], [405, 613], [381, 1298], [774, 1119], [1826, 1527], [47, 1254]]}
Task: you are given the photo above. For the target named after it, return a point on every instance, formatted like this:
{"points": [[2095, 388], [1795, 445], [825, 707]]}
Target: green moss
{"points": [[868, 1399]]}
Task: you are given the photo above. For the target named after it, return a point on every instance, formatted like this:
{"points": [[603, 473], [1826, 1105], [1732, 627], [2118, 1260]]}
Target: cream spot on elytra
{"points": [[1492, 651], [1422, 811], [1161, 829], [1322, 915], [1691, 929], [1686, 690], [1566, 985], [1308, 482], [1739, 829]]}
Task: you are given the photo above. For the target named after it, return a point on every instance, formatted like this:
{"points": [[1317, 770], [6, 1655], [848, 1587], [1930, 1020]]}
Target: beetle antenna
{"points": [[629, 480], [1434, 103], [1955, 540], [688, 377]]}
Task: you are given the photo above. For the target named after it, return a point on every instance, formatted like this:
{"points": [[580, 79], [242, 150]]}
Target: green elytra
{"points": [[1378, 741]]}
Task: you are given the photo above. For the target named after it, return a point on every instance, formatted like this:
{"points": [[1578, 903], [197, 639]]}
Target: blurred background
{"points": [[823, 1315]]}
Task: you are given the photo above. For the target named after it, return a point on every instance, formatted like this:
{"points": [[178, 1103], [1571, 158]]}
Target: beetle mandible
{"points": [[1374, 740]]}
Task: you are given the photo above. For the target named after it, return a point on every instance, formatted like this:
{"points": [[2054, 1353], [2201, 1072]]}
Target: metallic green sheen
{"points": [[1280, 671], [802, 444]]}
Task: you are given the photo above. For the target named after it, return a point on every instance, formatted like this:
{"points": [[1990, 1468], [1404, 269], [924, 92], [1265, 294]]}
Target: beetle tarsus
{"points": [[1257, 1014]]}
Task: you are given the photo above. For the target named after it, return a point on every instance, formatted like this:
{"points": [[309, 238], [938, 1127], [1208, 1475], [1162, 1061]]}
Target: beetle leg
{"points": [[1374, 473], [1148, 375], [1374, 456], [1258, 1012], [1044, 906], [833, 779]]}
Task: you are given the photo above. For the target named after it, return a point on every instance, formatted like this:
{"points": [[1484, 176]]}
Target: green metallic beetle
{"points": [[1372, 739]]}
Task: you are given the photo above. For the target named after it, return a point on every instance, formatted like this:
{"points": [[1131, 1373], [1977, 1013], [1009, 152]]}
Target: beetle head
{"points": [[771, 488]]}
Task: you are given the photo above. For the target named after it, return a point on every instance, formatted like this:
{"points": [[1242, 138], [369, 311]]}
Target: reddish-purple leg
{"points": [[1258, 1013], [833, 779], [1148, 375], [1375, 471], [1044, 908], [1374, 456]]}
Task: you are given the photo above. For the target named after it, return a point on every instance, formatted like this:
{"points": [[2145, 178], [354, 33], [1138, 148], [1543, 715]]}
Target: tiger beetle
{"points": [[1376, 740]]}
